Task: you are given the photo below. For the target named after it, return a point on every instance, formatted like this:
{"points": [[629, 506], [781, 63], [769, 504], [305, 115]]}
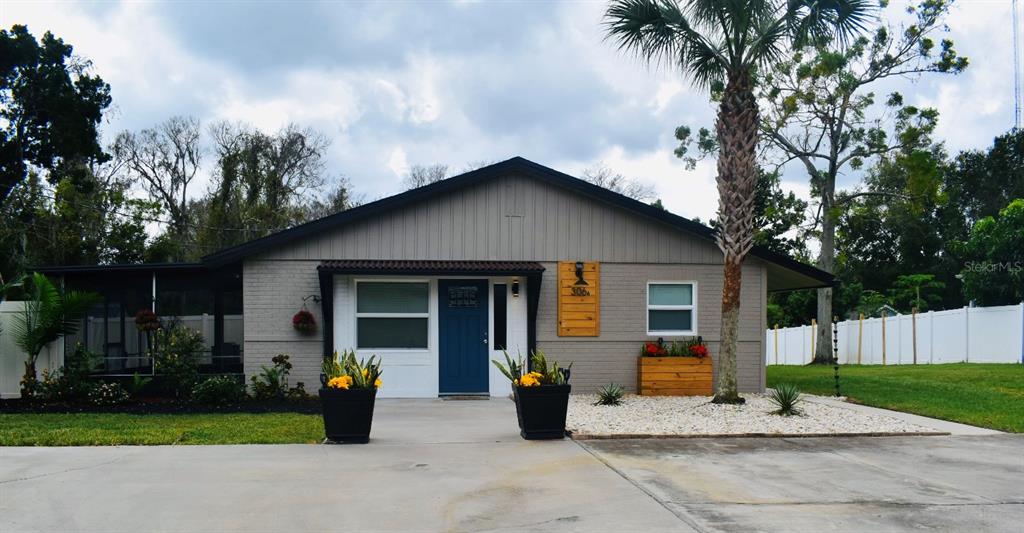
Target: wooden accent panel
{"points": [[579, 306], [674, 376]]}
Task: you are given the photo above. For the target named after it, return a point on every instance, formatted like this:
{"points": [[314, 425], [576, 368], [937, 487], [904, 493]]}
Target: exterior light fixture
{"points": [[515, 287], [579, 274]]}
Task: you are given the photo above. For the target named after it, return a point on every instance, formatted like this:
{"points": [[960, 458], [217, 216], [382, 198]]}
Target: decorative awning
{"points": [[431, 267]]}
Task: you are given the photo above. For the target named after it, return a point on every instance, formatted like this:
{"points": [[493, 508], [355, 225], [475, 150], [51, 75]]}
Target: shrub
{"points": [[786, 397], [346, 372], [108, 394], [219, 390], [138, 383], [610, 394], [174, 357], [73, 381], [542, 373], [272, 382]]}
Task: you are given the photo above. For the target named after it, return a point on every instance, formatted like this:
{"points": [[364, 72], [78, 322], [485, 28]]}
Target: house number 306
{"points": [[580, 291]]}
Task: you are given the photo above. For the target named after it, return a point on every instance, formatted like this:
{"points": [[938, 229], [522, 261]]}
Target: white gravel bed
{"points": [[696, 415]]}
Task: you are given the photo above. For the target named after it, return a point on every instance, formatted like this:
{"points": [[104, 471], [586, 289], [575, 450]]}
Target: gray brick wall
{"points": [[272, 294], [612, 355]]}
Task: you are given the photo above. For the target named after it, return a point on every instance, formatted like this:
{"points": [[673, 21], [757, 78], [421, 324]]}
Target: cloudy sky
{"points": [[398, 83]]}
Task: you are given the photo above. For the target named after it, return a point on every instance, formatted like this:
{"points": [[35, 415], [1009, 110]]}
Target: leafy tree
{"points": [[263, 184], [916, 291], [995, 275], [723, 43], [50, 107], [49, 314], [602, 176], [980, 183], [820, 110]]}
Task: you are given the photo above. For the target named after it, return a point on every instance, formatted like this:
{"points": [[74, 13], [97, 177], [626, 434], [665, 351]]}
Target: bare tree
{"points": [[166, 159], [420, 175], [602, 176]]}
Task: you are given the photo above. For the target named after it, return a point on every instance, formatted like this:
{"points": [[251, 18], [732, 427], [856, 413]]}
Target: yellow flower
{"points": [[529, 380], [340, 382], [377, 383], [366, 373], [515, 382]]}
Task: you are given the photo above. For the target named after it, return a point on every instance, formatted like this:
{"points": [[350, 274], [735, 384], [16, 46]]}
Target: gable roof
{"points": [[787, 272]]}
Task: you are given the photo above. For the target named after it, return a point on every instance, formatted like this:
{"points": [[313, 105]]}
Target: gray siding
{"points": [[512, 218], [612, 356]]}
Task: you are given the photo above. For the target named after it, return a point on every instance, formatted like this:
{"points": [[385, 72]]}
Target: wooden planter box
{"points": [[674, 376]]}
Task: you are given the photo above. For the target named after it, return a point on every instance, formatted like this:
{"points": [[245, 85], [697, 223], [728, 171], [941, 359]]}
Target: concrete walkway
{"points": [[461, 466]]}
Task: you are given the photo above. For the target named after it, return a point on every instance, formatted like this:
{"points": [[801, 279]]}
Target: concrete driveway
{"points": [[461, 466]]}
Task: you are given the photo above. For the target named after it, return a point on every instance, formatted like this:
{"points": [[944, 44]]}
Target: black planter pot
{"points": [[348, 414], [541, 411]]}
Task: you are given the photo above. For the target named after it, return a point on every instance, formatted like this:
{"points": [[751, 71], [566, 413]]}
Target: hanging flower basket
{"points": [[146, 321], [304, 322]]}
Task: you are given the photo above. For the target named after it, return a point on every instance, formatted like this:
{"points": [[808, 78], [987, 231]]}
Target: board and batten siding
{"points": [[515, 218], [511, 218]]}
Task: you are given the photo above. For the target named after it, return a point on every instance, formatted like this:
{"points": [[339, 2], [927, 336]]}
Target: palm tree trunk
{"points": [[737, 179], [29, 380]]}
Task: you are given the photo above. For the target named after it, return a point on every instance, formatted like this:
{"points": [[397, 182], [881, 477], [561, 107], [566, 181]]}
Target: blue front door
{"points": [[462, 323]]}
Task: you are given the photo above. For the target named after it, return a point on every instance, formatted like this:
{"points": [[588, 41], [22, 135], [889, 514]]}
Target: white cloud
{"points": [[398, 162]]}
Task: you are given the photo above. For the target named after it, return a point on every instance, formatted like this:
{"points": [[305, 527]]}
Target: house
{"points": [[437, 281]]}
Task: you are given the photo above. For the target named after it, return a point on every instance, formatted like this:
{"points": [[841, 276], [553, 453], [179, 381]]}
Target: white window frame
{"points": [[692, 307], [358, 315]]}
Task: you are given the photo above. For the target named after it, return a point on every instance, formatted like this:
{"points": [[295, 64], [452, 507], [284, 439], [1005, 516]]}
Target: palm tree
{"points": [[49, 315], [718, 42]]}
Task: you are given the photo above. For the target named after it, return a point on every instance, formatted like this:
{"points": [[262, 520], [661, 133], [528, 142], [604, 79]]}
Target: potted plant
{"points": [[679, 368], [348, 394], [304, 321], [541, 395]]}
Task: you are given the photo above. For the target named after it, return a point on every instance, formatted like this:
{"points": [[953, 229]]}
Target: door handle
{"points": [[485, 338]]}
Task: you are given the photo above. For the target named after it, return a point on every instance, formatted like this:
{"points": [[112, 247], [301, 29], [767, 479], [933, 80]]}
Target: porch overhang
{"points": [[326, 270]]}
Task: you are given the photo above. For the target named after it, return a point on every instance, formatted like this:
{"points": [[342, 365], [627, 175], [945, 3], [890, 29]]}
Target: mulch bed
{"points": [[162, 406]]}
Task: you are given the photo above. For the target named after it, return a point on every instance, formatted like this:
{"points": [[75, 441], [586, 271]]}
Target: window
{"points": [[392, 314], [670, 308], [500, 316]]}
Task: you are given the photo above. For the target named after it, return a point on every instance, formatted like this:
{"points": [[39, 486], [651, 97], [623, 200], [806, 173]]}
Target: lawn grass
{"points": [[986, 395], [107, 429]]}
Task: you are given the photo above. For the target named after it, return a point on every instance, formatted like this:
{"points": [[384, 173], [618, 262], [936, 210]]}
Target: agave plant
{"points": [[610, 394], [345, 371], [786, 397], [49, 314]]}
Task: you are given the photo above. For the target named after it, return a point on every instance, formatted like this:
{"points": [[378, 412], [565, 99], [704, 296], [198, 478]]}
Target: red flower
{"points": [[304, 321], [654, 349], [699, 350]]}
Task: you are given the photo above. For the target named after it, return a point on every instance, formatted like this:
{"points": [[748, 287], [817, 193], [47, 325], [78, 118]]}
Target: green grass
{"points": [[986, 395], [105, 429]]}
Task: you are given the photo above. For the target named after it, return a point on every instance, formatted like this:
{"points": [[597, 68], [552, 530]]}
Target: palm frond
{"points": [[659, 32]]}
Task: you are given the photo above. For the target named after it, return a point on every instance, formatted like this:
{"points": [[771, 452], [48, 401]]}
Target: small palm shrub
{"points": [[786, 397], [610, 394], [219, 390]]}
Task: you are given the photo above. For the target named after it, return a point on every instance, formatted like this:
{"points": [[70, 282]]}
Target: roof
{"points": [[483, 268], [784, 272], [787, 272], [132, 267]]}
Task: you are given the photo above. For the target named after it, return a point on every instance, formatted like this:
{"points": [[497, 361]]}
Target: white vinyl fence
{"points": [[970, 334], [12, 359]]}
